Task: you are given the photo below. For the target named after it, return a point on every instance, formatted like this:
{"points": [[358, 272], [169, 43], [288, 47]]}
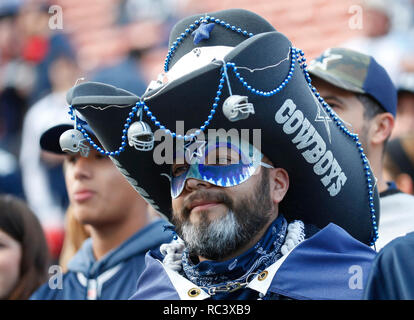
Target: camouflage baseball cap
{"points": [[356, 72]]}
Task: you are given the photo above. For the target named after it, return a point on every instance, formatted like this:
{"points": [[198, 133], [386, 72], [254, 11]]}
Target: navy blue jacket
{"points": [[329, 265], [392, 274], [113, 277]]}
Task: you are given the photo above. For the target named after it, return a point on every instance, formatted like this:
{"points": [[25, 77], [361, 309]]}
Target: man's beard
{"points": [[217, 239]]}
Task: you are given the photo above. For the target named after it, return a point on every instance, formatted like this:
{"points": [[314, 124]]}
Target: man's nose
{"points": [[194, 184]]}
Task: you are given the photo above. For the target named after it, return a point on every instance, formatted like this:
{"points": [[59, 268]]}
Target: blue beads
{"points": [[128, 120], [206, 123], [261, 92], [192, 27]]}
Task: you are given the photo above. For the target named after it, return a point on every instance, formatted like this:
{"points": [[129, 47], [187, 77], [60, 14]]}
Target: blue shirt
{"points": [[113, 277]]}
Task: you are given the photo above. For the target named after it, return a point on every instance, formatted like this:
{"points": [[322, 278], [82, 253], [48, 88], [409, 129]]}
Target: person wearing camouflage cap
{"points": [[362, 94]]}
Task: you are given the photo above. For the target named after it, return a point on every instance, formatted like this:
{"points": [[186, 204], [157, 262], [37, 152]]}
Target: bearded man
{"points": [[299, 202]]}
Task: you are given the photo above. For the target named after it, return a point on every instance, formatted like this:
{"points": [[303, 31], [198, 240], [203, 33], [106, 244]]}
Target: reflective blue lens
{"points": [[226, 175], [223, 165], [177, 185]]}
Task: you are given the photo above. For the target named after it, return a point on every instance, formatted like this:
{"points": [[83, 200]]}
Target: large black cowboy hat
{"points": [[330, 177]]}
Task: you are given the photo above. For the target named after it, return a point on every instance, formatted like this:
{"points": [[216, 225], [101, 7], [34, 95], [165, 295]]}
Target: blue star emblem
{"points": [[323, 116], [195, 149], [202, 32]]}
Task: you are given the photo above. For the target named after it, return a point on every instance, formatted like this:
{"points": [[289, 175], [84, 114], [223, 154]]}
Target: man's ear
{"points": [[381, 128], [279, 184]]}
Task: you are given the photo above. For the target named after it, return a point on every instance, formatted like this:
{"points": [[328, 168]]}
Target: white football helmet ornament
{"points": [[72, 141], [237, 108], [140, 136]]}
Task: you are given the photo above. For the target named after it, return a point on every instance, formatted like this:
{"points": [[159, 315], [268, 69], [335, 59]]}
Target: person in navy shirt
{"points": [[392, 273], [122, 228]]}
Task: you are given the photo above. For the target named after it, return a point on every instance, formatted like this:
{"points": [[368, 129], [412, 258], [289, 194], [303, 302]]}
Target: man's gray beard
{"points": [[215, 239], [245, 218]]}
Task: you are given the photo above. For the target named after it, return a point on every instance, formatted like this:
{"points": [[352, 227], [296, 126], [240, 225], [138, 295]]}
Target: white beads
{"points": [[173, 253], [295, 235]]}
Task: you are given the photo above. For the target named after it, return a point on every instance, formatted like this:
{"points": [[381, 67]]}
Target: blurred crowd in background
{"points": [[124, 43]]}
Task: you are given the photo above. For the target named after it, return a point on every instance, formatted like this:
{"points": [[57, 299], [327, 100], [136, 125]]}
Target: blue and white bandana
{"points": [[253, 261]]}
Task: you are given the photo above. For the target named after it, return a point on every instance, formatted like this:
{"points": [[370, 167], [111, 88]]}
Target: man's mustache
{"points": [[205, 195]]}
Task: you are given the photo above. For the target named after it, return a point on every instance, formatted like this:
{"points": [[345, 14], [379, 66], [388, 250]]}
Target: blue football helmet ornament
{"points": [[140, 136], [72, 141], [237, 108]]}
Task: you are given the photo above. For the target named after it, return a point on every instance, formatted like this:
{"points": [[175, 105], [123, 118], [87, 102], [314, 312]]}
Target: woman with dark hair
{"points": [[23, 250]]}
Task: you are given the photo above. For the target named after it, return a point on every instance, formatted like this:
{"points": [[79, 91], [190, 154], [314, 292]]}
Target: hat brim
{"points": [[49, 140]]}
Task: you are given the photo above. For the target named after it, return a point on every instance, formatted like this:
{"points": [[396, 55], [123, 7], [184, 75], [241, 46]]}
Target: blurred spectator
{"points": [[12, 110], [399, 162], [16, 78], [144, 27], [404, 123], [126, 74], [8, 10], [155, 10], [121, 228], [27, 48], [41, 46], [392, 272], [10, 175], [42, 174], [388, 47], [28, 53], [23, 250], [12, 106], [362, 94]]}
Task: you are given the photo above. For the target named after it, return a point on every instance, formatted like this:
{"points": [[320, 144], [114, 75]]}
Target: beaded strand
{"points": [[354, 136], [194, 26]]}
